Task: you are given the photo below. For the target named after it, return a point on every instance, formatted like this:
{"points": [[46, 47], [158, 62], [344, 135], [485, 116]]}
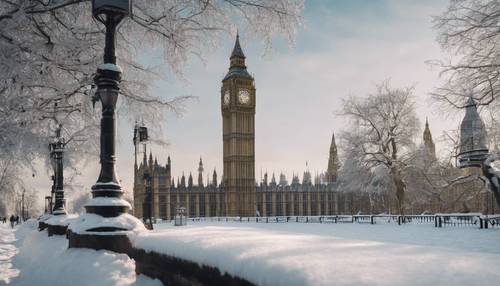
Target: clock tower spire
{"points": [[238, 128]]}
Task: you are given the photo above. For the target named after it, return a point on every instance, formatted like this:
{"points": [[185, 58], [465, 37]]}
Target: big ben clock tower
{"points": [[238, 128]]}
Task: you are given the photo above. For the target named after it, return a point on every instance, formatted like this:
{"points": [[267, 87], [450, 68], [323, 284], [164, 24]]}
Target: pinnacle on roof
{"points": [[237, 51]]}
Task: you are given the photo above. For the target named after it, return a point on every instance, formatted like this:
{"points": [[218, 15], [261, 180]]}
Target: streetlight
{"points": [[147, 205], [56, 154], [106, 208]]}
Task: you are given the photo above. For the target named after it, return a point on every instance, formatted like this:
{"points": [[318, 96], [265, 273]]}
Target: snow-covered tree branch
{"points": [[49, 51], [383, 126], [469, 31]]}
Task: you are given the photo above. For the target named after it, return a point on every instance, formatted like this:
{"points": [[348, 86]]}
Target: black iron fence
{"points": [[438, 220]]}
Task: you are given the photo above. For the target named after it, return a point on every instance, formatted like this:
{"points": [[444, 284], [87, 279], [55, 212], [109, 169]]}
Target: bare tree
{"points": [[49, 51], [469, 31], [384, 125]]}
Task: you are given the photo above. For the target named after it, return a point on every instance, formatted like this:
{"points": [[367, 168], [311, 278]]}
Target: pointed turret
{"points": [[214, 178], [295, 180], [331, 172], [150, 159], [190, 180], [237, 65], [183, 180], [306, 178], [430, 147], [273, 181], [237, 51], [200, 173]]}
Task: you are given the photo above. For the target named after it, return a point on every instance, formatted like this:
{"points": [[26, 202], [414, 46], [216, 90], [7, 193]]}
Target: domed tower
{"points": [[473, 138], [238, 127]]}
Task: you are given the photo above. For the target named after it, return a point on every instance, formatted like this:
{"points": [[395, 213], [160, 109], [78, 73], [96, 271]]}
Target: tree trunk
{"points": [[400, 189]]}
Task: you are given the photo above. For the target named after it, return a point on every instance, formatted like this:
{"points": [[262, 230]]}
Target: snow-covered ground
{"points": [[31, 258], [336, 254]]}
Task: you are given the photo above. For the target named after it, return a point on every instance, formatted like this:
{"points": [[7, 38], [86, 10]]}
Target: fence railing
{"points": [[438, 220]]}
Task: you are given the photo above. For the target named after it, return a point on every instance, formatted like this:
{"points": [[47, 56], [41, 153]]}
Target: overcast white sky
{"points": [[344, 48]]}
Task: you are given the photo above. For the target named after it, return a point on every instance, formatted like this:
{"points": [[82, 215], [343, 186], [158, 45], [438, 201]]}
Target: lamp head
{"points": [[108, 7]]}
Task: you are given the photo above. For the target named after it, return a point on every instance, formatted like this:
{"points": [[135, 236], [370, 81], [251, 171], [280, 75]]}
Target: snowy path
{"points": [[7, 251], [336, 254], [43, 260]]}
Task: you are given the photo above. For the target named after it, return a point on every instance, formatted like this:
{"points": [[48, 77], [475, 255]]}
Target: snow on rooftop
{"points": [[335, 254]]}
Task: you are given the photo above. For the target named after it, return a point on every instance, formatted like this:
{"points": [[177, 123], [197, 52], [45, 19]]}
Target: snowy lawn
{"points": [[336, 254], [31, 258]]}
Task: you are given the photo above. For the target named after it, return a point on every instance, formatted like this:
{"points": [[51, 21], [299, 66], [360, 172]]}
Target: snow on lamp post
{"points": [[107, 221]]}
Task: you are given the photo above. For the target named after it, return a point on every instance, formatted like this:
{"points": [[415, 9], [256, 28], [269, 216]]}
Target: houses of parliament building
{"points": [[236, 192]]}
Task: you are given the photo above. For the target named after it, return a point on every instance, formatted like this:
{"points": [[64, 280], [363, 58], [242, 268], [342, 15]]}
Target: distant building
{"points": [[429, 146], [238, 193]]}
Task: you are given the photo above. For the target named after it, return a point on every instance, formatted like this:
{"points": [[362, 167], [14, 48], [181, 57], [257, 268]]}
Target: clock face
{"points": [[244, 96], [227, 97]]}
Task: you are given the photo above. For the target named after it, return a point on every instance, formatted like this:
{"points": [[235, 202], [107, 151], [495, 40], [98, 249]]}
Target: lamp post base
{"points": [[57, 224], [98, 232]]}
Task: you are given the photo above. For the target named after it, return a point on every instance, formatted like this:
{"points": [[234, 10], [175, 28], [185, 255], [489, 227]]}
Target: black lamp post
{"points": [[147, 205], [56, 154], [110, 13], [108, 210]]}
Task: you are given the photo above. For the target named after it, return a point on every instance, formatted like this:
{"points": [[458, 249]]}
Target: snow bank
{"points": [[7, 252], [89, 221], [43, 260], [342, 254]]}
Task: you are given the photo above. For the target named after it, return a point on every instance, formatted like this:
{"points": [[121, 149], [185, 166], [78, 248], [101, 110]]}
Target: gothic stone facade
{"points": [[238, 194], [271, 199]]}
